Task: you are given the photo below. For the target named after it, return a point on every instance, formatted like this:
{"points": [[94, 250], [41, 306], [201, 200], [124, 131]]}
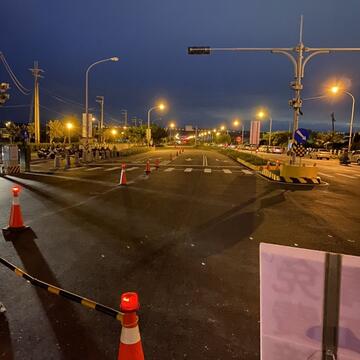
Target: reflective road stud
{"points": [[130, 342], [123, 175], [16, 224]]}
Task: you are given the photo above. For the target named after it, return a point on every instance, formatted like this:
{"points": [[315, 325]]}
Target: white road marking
{"points": [[94, 168], [188, 159], [207, 170], [113, 168], [247, 172], [165, 162], [152, 168], [227, 171], [205, 162], [132, 168], [327, 175], [187, 170], [169, 169], [76, 168], [347, 176], [217, 159]]}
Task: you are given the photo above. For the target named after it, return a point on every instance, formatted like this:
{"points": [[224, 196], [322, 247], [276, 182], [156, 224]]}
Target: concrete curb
{"points": [[249, 165]]}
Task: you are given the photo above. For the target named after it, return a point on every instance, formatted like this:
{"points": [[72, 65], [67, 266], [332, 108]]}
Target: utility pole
{"points": [[100, 100], [296, 55], [124, 115], [37, 75], [333, 123]]}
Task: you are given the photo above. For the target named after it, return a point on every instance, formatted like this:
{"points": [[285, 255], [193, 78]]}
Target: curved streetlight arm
{"points": [[288, 55], [310, 57], [352, 118]]}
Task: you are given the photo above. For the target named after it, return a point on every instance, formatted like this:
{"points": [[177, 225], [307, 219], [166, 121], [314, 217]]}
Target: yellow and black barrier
{"points": [[290, 180], [90, 304]]}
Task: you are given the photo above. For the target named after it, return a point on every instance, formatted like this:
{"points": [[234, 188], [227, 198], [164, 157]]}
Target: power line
{"points": [[13, 77]]}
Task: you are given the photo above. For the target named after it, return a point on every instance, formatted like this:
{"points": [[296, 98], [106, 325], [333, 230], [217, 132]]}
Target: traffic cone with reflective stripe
{"points": [[16, 223], [147, 168], [123, 175], [157, 164], [130, 341]]}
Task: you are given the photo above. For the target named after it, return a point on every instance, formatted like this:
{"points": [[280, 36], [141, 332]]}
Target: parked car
{"points": [[355, 156], [321, 154], [276, 150]]}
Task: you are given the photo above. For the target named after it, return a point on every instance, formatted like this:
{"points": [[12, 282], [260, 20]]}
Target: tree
{"points": [[158, 134], [31, 130], [56, 130], [13, 130], [223, 139]]}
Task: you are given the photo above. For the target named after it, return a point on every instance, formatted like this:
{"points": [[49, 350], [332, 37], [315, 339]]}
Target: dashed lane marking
{"points": [[247, 172], [327, 175], [113, 168], [347, 176], [169, 169], [94, 168], [76, 168], [227, 171], [132, 168], [187, 170], [207, 170]]}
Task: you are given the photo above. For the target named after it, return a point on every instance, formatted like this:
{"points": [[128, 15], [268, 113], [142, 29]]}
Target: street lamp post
{"points": [[87, 91], [335, 90], [69, 126], [148, 134], [261, 115]]}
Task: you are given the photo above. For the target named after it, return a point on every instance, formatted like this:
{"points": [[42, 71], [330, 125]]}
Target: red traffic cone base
{"points": [[147, 168], [130, 341]]}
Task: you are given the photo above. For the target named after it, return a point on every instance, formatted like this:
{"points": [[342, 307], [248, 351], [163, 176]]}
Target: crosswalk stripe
{"points": [[347, 176], [247, 172], [152, 168], [132, 168], [187, 170], [93, 169], [227, 171], [165, 162], [113, 168], [169, 169], [207, 171], [327, 175]]}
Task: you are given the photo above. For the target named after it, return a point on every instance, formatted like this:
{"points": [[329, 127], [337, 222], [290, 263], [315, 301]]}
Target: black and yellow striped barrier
{"points": [[292, 180], [66, 294]]}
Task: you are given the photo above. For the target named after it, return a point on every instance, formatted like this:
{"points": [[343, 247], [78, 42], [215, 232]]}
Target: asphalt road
{"points": [[186, 238]]}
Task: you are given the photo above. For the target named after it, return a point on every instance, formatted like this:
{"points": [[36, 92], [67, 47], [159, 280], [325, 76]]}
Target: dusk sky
{"points": [[151, 39]]}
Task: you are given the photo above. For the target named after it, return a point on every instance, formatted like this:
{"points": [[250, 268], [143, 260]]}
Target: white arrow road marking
{"points": [[169, 169], [189, 159], [113, 168], [187, 170], [94, 168], [207, 171], [247, 172], [227, 171]]}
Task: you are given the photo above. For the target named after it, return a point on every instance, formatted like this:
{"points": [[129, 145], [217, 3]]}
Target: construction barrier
{"points": [[90, 304], [293, 180]]}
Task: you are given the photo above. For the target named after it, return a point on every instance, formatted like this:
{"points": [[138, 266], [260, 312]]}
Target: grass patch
{"points": [[134, 150], [250, 158]]}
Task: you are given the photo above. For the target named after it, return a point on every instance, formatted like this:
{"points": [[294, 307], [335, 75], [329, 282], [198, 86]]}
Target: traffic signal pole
{"points": [[299, 55]]}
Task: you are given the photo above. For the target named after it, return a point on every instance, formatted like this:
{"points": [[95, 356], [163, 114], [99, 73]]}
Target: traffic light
{"points": [[199, 50], [4, 87]]}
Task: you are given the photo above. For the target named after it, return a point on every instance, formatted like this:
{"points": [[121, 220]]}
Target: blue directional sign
{"points": [[301, 136]]}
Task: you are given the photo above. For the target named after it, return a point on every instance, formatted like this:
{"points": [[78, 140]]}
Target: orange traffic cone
{"points": [[123, 175], [157, 164], [130, 347], [147, 168], [16, 223], [277, 164]]}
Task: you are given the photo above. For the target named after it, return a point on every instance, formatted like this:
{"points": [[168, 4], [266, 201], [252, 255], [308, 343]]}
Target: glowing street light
{"points": [[161, 107], [334, 90], [69, 126], [114, 132], [236, 123], [261, 115], [222, 128]]}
